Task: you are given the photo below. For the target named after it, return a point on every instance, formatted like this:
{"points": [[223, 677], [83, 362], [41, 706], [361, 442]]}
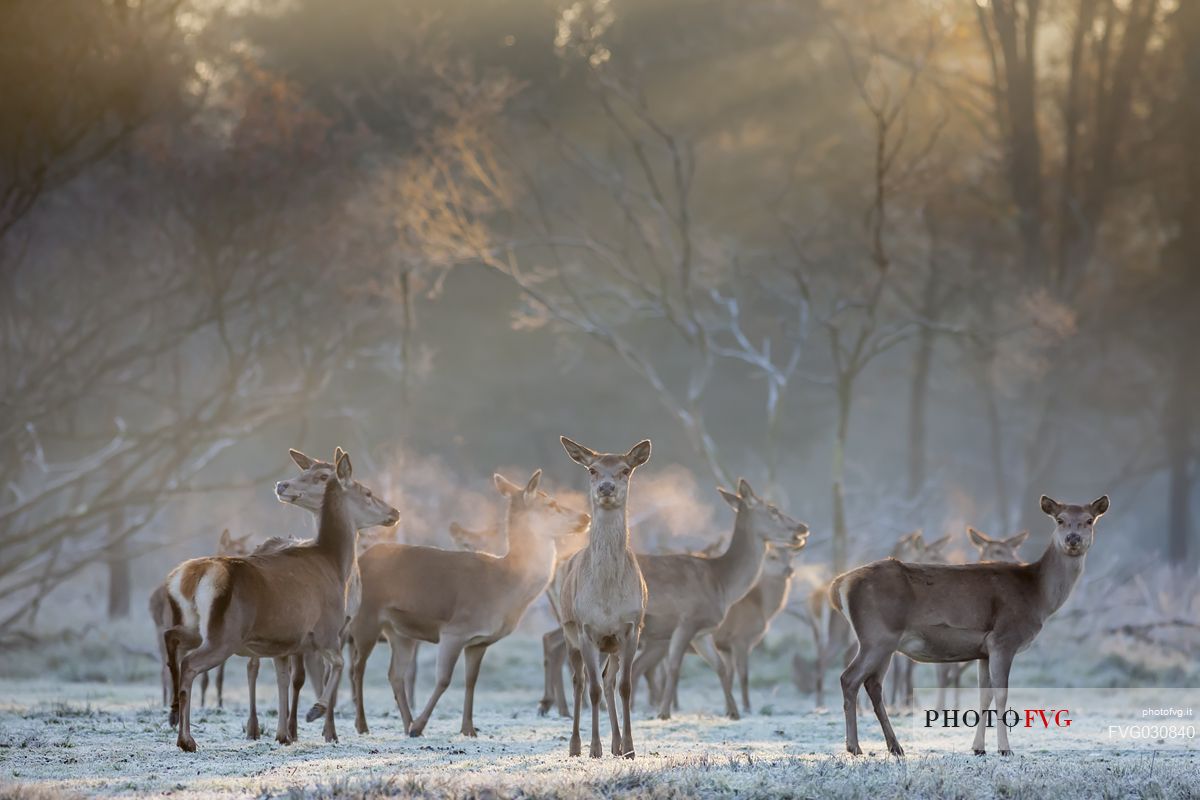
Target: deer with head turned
{"points": [[750, 618], [270, 605], [463, 601], [602, 597], [690, 595], [940, 613], [990, 549], [160, 612]]}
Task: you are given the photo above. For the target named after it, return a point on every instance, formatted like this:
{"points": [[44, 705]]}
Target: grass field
{"points": [[86, 737]]}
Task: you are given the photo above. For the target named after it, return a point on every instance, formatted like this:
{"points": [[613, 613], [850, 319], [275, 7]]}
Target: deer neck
{"points": [[738, 568], [1057, 575], [609, 536], [530, 551], [773, 593], [335, 532]]}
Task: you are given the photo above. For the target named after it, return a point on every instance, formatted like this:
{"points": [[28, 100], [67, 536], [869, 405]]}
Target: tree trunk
{"points": [[1177, 429], [922, 361], [118, 568], [841, 533]]}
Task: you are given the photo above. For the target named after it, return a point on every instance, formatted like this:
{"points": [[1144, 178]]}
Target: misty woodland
{"points": [[594, 398]]}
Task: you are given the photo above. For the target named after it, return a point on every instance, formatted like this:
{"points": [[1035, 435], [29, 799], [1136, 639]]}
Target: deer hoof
{"points": [[979, 751], [896, 750], [416, 729], [734, 714], [174, 717], [1006, 752], [597, 751], [544, 707], [470, 731], [664, 715], [361, 726], [283, 738], [252, 730], [314, 713], [854, 749], [187, 744], [576, 747], [330, 736]]}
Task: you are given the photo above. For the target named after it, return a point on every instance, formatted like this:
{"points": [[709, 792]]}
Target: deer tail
{"points": [[835, 594]]}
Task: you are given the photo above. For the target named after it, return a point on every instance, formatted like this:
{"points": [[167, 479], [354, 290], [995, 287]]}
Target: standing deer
{"points": [[690, 595], [989, 550], [270, 605], [912, 548], [463, 601], [160, 612], [749, 619], [940, 613], [602, 596]]}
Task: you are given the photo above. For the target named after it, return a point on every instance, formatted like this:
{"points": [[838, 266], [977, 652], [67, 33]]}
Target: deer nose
{"points": [[1073, 540], [606, 489], [789, 572], [281, 487]]}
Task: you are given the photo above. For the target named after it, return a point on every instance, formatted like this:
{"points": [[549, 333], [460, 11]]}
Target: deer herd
{"points": [[623, 616]]}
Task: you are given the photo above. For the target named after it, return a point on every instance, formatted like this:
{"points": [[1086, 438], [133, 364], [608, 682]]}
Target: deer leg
{"points": [[559, 659], [297, 672], [252, 665], [331, 655], [681, 639], [943, 681], [645, 665], [403, 652], [314, 668], [956, 674], [360, 650], [999, 665], [283, 674], [329, 730], [874, 684], [175, 638], [410, 674], [474, 657], [449, 649], [910, 688], [610, 699], [591, 663], [985, 702], [575, 659], [547, 679], [721, 663], [852, 680], [628, 650], [221, 685], [205, 657], [203, 687], [741, 661]]}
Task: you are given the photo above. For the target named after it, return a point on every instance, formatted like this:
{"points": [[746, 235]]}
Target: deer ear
{"points": [[729, 497], [302, 461], [938, 544], [343, 466], [226, 540], [531, 487], [578, 453], [744, 489], [638, 454], [506, 487], [1017, 540], [977, 537], [1051, 506], [1099, 506]]}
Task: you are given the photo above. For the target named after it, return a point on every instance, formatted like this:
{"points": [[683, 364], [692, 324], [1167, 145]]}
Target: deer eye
{"points": [[625, 472], [592, 471], [323, 477], [1062, 521], [1089, 521]]}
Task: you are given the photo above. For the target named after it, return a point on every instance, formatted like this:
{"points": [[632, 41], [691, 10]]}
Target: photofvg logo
{"points": [[1010, 717], [1050, 719]]}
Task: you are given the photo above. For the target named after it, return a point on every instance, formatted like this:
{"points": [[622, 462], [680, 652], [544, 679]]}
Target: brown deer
{"points": [[160, 612], [270, 605], [463, 601], [602, 596], [690, 595], [749, 620], [990, 549], [941, 613]]}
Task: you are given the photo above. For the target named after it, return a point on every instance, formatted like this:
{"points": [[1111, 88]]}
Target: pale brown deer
{"points": [[463, 601], [749, 620], [939, 613], [990, 549], [270, 605], [602, 597], [690, 595], [160, 612]]}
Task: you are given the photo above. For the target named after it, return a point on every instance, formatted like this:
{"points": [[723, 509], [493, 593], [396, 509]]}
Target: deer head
{"points": [[997, 549], [774, 526], [229, 546], [778, 563], [1074, 528], [913, 548], [307, 489], [538, 510], [609, 486]]}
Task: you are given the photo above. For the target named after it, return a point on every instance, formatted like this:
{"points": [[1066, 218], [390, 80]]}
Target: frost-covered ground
{"points": [[89, 737]]}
